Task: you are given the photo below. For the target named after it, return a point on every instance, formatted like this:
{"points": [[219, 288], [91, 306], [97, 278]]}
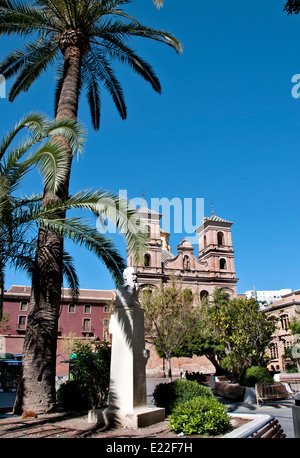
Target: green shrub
{"points": [[92, 371], [168, 395], [203, 416], [255, 374], [71, 397]]}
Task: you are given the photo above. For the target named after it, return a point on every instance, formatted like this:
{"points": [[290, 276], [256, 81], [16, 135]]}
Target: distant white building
{"points": [[267, 297]]}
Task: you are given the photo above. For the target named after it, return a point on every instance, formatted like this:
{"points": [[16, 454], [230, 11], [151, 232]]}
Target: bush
{"points": [[168, 395], [92, 371], [202, 415], [255, 374], [71, 397]]}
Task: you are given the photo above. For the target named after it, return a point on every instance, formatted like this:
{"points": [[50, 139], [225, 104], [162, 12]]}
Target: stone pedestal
{"points": [[138, 417], [296, 419], [128, 391]]}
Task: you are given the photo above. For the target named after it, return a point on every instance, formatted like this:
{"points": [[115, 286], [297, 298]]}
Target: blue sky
{"points": [[225, 127]]}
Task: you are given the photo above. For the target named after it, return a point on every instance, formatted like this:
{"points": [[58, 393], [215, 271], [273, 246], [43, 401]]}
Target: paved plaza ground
{"points": [[62, 425]]}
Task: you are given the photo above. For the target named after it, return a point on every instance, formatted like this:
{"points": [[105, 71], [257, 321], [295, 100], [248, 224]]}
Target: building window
{"points": [[72, 308], [87, 309], [106, 323], [106, 334], [22, 322], [284, 321], [147, 260], [287, 345], [223, 265], [24, 306], [220, 239], [186, 263], [106, 309], [203, 296], [86, 326], [274, 351]]}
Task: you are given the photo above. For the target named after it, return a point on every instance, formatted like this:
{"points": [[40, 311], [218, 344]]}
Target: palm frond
{"points": [[117, 49], [93, 94], [33, 66], [33, 121], [117, 209], [70, 274], [76, 230], [49, 156], [135, 29], [105, 27], [50, 159], [158, 3], [100, 69], [72, 130], [57, 8], [22, 18]]}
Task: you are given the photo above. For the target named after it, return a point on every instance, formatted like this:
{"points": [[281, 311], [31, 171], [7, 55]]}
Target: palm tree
{"points": [[20, 217], [81, 38], [16, 242]]}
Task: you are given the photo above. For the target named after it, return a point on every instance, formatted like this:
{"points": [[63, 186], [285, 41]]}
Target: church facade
{"points": [[212, 267]]}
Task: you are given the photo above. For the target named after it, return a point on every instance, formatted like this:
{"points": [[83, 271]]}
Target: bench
{"points": [[224, 378], [293, 386], [257, 427], [272, 429], [266, 391], [228, 390]]}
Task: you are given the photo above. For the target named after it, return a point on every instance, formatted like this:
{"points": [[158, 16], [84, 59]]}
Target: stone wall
{"points": [[157, 367]]}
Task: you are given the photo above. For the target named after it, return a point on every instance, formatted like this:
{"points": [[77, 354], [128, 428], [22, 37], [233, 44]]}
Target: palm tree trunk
{"points": [[1, 289], [37, 386]]}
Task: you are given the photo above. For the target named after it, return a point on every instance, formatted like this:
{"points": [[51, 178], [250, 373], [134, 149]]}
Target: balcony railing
{"points": [[21, 327], [87, 329]]}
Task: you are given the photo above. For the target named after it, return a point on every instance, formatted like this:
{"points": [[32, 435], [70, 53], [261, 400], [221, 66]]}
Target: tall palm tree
{"points": [[20, 216], [81, 38], [16, 242]]}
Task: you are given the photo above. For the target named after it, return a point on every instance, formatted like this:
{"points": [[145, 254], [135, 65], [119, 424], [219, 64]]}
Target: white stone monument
{"points": [[128, 391]]}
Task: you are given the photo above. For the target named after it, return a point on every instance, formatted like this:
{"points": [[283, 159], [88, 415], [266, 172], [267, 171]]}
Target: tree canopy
{"points": [[168, 317]]}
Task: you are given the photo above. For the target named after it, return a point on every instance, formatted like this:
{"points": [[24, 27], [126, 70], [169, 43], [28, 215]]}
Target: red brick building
{"points": [[88, 318]]}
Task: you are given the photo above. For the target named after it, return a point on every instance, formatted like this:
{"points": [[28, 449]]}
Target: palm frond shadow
{"points": [[125, 324]]}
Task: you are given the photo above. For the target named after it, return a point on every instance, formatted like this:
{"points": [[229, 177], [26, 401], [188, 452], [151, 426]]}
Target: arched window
{"points": [[147, 258], [203, 296], [24, 306], [186, 263], [71, 308], [149, 231], [223, 265], [274, 350], [284, 321], [220, 239]]}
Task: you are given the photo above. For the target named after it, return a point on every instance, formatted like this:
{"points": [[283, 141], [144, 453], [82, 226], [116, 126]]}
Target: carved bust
{"points": [[127, 294]]}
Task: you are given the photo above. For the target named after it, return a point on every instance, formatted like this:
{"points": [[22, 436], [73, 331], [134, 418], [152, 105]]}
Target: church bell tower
{"points": [[215, 248]]}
